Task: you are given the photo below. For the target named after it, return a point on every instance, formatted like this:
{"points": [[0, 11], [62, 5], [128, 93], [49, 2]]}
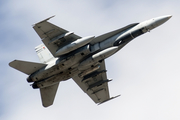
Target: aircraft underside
{"points": [[65, 55]]}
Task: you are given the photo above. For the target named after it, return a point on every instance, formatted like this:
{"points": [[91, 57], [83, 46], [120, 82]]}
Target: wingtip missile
{"points": [[43, 20], [108, 99]]}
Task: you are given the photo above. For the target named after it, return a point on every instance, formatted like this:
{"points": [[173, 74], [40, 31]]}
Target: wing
{"points": [[53, 36], [95, 84], [48, 94]]}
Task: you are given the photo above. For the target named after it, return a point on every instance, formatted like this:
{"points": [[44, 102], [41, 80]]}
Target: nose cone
{"points": [[160, 20], [155, 22]]}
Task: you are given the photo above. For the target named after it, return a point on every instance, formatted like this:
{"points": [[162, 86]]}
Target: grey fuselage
{"points": [[86, 59]]}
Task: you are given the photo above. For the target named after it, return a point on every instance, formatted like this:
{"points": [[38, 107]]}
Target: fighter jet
{"points": [[65, 55]]}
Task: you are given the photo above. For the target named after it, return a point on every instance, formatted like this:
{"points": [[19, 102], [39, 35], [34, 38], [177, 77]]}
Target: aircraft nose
{"points": [[155, 22], [160, 20]]}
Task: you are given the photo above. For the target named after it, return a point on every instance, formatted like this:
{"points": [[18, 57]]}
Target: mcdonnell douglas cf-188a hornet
{"points": [[65, 55]]}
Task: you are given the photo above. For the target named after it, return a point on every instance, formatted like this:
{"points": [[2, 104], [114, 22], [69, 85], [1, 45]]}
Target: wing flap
{"points": [[48, 94], [26, 67]]}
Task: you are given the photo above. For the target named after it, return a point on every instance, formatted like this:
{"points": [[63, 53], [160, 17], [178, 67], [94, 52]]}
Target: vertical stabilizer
{"points": [[43, 53]]}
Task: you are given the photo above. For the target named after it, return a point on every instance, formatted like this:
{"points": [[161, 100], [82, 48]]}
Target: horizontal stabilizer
{"points": [[26, 67], [48, 94]]}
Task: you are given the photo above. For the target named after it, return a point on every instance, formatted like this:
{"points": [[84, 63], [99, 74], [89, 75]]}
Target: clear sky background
{"points": [[146, 72]]}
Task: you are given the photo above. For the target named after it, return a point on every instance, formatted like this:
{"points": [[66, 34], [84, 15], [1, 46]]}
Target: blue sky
{"points": [[145, 72]]}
